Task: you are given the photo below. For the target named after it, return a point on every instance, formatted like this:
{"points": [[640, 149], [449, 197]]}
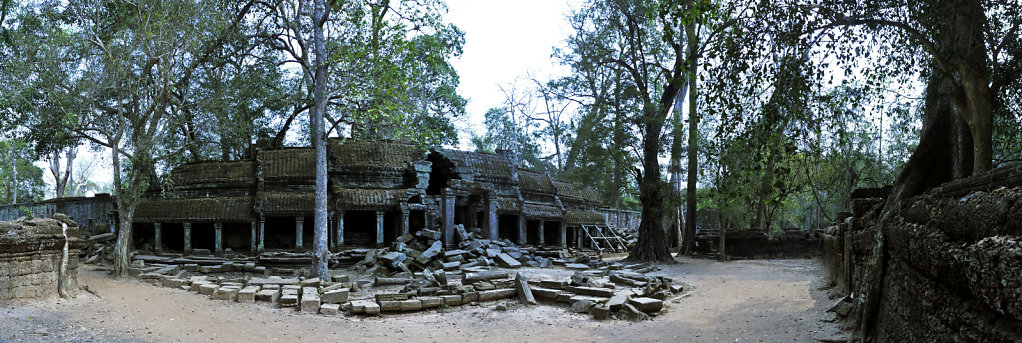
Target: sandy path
{"points": [[742, 301]]}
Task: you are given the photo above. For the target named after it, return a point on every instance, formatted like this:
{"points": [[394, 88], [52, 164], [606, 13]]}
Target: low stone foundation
{"points": [[758, 244], [33, 263]]}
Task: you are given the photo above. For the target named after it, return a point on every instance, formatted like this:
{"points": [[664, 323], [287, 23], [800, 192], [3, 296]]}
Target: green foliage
{"points": [[30, 185]]}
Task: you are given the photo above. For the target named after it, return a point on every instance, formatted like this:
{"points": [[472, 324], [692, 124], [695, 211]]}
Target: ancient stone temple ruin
{"points": [[38, 258], [378, 191]]}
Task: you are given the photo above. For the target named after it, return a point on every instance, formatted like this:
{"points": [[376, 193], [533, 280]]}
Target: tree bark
{"points": [[321, 254], [693, 139]]}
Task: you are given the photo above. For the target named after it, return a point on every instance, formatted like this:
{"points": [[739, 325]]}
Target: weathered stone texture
{"points": [[30, 258]]}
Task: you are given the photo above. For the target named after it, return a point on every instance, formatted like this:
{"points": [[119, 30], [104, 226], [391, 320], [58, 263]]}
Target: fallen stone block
{"points": [[247, 294], [330, 309], [340, 278], [507, 261], [545, 293], [471, 278], [208, 288], [469, 297], [524, 292], [289, 300], [600, 312], [268, 295], [629, 312], [335, 296], [387, 281], [581, 306], [593, 291], [496, 294], [389, 305], [451, 300], [174, 283], [411, 305], [617, 301], [565, 297], [226, 293], [647, 305], [310, 303], [313, 282], [372, 309], [576, 266], [275, 280], [392, 296], [553, 284]]}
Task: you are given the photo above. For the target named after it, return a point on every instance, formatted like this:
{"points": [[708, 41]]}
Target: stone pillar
{"points": [[330, 230], [253, 240], [262, 234], [379, 229], [579, 237], [159, 237], [522, 230], [564, 234], [299, 231], [188, 236], [492, 219], [404, 221], [447, 212], [340, 228], [218, 242], [542, 232]]}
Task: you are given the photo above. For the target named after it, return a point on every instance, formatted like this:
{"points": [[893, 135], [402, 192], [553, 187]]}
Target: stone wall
{"points": [[952, 269], [758, 244], [31, 256]]}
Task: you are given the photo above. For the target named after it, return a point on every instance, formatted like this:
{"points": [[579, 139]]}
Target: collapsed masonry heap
{"points": [[39, 258], [417, 273]]}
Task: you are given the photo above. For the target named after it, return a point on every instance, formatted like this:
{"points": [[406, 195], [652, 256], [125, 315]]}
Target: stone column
{"points": [[579, 237], [542, 232], [522, 230], [404, 221], [492, 219], [340, 228], [219, 240], [253, 240], [330, 231], [447, 212], [299, 231], [188, 236], [159, 237], [379, 229], [262, 234], [564, 234]]}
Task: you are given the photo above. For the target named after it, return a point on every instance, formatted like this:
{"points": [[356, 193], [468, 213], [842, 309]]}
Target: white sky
{"points": [[505, 40]]}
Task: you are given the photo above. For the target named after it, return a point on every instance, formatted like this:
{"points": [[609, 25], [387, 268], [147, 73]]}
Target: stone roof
{"points": [[214, 172], [368, 199], [577, 218], [480, 166], [289, 204], [535, 183], [373, 154], [533, 210], [219, 209], [507, 205], [288, 163], [575, 194]]}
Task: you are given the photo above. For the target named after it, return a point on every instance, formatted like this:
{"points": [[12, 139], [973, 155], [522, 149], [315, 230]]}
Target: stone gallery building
{"points": [[378, 191]]}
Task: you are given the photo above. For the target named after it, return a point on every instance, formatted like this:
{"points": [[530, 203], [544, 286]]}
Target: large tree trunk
{"points": [[321, 254], [972, 96], [693, 139]]}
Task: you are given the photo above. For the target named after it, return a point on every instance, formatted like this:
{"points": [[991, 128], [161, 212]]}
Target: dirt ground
{"points": [[738, 301]]}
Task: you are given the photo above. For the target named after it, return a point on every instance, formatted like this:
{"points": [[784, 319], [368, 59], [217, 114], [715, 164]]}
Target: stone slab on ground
{"points": [[507, 261], [617, 301], [310, 303], [227, 293], [496, 294], [247, 294], [647, 305], [593, 291], [576, 266], [451, 300], [524, 292], [289, 300], [545, 293], [330, 309], [335, 296], [268, 295], [431, 302], [208, 289], [273, 280]]}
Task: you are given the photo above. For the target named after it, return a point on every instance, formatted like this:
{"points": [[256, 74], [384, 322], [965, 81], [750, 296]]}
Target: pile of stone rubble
{"points": [[99, 249]]}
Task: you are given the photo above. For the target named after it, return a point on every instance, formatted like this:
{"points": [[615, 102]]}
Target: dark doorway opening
{"points": [[279, 233], [552, 233], [143, 236], [173, 236], [532, 232], [442, 170], [571, 235], [507, 227], [360, 229], [416, 221], [391, 226], [237, 236], [308, 233], [203, 236]]}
